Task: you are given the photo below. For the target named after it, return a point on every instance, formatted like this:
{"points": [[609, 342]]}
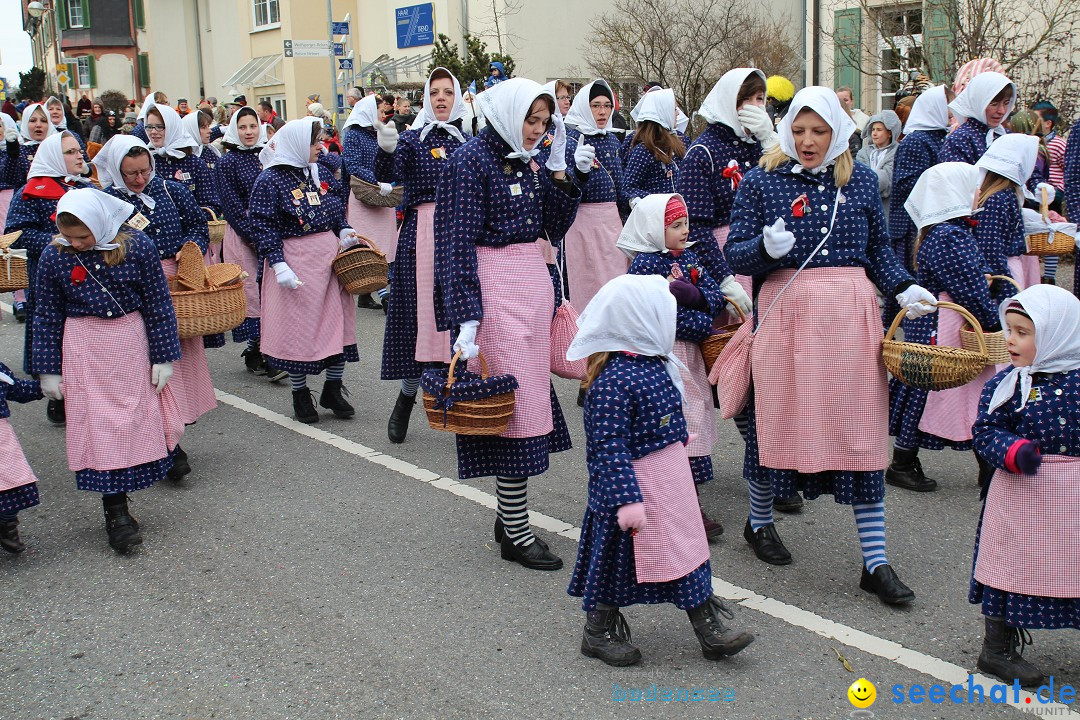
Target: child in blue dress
{"points": [[18, 485]]}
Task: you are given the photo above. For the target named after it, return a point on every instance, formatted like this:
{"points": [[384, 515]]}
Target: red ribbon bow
{"points": [[732, 173], [694, 274], [78, 275]]}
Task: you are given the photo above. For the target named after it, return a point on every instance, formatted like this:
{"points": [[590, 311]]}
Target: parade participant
{"points": [[1026, 546], [1072, 185], [492, 201], [140, 121], [879, 152], [652, 165], [105, 339], [196, 126], [234, 176], [655, 240], [819, 273], [642, 540], [175, 158], [1029, 123], [57, 167], [411, 340], [1007, 165], [167, 213], [924, 132], [984, 104], [308, 320], [58, 117], [950, 265], [18, 484]]}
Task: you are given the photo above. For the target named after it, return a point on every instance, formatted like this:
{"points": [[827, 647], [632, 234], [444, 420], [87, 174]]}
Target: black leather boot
{"points": [[906, 472], [54, 412], [986, 472], [398, 426], [19, 310], [122, 528], [180, 467], [790, 504], [607, 636], [533, 556], [999, 656], [581, 396], [333, 399], [886, 585], [303, 406], [717, 640], [767, 544], [254, 360], [9, 536]]}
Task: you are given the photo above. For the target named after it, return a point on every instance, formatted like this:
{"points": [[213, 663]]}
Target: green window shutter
{"points": [[85, 12], [139, 12], [93, 70], [144, 69], [73, 73], [62, 14], [939, 51], [847, 51]]}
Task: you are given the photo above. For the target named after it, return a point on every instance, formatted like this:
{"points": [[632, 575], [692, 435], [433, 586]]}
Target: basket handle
{"points": [[213, 215], [1007, 278], [369, 242], [1044, 205], [8, 240], [450, 379], [972, 320], [732, 303]]}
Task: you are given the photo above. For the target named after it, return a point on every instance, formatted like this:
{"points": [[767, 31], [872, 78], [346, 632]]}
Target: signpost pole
{"points": [[333, 60]]}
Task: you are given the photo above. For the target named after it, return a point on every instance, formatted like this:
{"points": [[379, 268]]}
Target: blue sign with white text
{"points": [[415, 25], [339, 28]]}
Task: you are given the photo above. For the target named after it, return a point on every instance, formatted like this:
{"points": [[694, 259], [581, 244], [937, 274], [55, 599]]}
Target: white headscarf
{"points": [[1012, 156], [551, 87], [631, 313], [823, 101], [943, 192], [24, 124], [658, 105], [930, 111], [147, 104], [190, 125], [9, 123], [232, 132], [365, 113], [49, 160], [1055, 312], [719, 105], [580, 114], [291, 146], [109, 159], [426, 120], [62, 125], [637, 108], [681, 120], [176, 137], [505, 107], [100, 212], [644, 229], [972, 102]]}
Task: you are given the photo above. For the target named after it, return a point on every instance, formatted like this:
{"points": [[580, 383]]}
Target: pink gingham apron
{"points": [[191, 384], [14, 470], [316, 320], [514, 333], [745, 281], [1025, 270], [115, 418], [591, 256], [820, 388], [235, 250], [673, 542], [1030, 542], [950, 414], [697, 401], [431, 345], [376, 223]]}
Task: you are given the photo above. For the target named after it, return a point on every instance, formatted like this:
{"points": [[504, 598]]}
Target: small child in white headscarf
{"points": [[642, 539]]}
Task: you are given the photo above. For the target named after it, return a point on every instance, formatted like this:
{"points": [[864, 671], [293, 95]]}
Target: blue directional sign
{"points": [[345, 64], [415, 25], [340, 28], [339, 49]]}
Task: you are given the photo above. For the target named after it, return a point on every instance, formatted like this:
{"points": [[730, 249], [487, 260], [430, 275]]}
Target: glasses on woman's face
{"points": [[155, 128], [73, 151], [560, 98], [135, 174], [601, 106]]}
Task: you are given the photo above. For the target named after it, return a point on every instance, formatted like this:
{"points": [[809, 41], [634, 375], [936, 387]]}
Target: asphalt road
{"points": [[326, 573]]}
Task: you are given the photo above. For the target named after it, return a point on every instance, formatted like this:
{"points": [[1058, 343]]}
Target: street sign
{"points": [[3, 88], [307, 48], [415, 25], [340, 28], [345, 64], [62, 78], [339, 49]]}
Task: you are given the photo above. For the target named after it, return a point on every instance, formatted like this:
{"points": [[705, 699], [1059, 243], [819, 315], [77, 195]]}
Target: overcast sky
{"points": [[15, 55]]}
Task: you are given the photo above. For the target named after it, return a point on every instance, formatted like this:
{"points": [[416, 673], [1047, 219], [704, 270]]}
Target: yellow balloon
{"points": [[862, 693]]}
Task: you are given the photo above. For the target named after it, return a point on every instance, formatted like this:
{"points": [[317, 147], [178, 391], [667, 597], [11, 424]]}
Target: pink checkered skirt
{"points": [[5, 203], [673, 541], [431, 345], [377, 223], [316, 320], [1030, 541], [1025, 270], [820, 388], [115, 418], [950, 414], [746, 281], [697, 401], [235, 250], [515, 332], [191, 384], [14, 470], [591, 256]]}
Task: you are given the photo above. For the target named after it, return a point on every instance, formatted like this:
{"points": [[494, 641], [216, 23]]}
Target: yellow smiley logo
{"points": [[862, 693]]}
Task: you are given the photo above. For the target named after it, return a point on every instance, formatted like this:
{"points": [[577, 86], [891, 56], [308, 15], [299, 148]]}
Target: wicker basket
{"points": [[996, 347], [191, 267], [1049, 243], [484, 416], [361, 269], [368, 193], [12, 268], [712, 346], [933, 367], [207, 301], [216, 227]]}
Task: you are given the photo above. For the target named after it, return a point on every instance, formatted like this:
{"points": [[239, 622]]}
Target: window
{"points": [[75, 15], [84, 74], [900, 56], [266, 12]]}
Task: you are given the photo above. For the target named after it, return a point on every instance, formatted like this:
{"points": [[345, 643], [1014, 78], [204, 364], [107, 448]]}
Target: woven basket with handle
{"points": [[216, 226], [12, 265], [368, 193], [216, 304], [996, 347], [712, 346], [1049, 243], [362, 269], [477, 415], [933, 367]]}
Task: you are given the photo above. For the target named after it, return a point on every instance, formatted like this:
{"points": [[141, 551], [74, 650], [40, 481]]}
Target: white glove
{"points": [[634, 201], [757, 121], [734, 292], [1051, 191], [584, 156], [50, 386], [466, 339], [385, 189], [917, 300], [160, 374], [348, 238], [11, 135], [778, 240], [286, 278], [387, 135], [556, 161]]}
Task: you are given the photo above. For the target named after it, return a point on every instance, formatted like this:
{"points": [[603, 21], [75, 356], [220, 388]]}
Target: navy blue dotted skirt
{"points": [[125, 480], [399, 340], [19, 498], [906, 405], [247, 330], [297, 367], [702, 469]]}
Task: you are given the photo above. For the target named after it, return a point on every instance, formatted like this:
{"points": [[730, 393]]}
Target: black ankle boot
{"points": [[581, 397], [54, 411], [122, 528], [398, 426], [999, 656], [607, 636], [303, 406], [254, 360], [767, 544], [19, 310], [333, 398], [9, 536], [500, 531], [906, 472], [533, 556], [790, 504], [716, 639], [886, 585], [180, 467]]}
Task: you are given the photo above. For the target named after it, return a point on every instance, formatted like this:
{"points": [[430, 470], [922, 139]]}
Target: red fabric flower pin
{"points": [[78, 275], [323, 187], [732, 173], [695, 273], [800, 206], [972, 222]]}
